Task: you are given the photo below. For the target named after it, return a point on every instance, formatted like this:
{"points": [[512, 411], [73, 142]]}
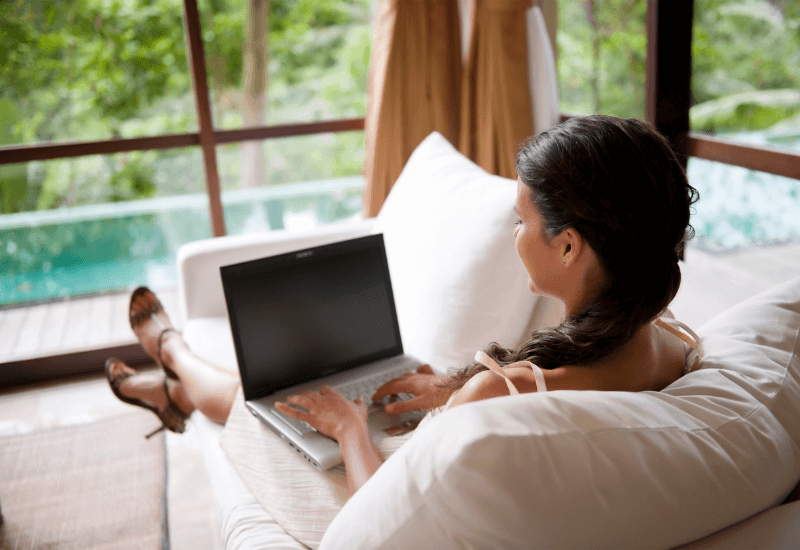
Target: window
{"points": [[744, 96], [746, 71], [746, 92], [108, 158], [601, 57]]}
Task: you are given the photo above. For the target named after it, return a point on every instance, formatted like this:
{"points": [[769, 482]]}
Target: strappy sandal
{"points": [[172, 417], [151, 313]]}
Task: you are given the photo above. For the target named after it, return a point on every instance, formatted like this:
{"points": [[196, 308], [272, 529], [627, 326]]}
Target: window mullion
{"points": [[208, 142], [669, 69]]}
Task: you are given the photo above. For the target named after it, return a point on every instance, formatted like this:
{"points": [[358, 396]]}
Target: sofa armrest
{"points": [[199, 285]]}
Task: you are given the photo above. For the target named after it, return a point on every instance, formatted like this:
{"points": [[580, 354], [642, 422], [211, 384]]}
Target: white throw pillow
{"points": [[570, 469], [457, 280]]}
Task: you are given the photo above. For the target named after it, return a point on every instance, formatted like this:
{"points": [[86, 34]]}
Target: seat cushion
{"points": [[603, 469], [457, 280]]}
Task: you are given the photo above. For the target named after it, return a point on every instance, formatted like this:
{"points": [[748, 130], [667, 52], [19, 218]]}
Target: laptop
{"points": [[314, 317]]}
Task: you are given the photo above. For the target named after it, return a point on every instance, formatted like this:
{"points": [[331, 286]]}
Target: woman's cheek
{"points": [[518, 241]]}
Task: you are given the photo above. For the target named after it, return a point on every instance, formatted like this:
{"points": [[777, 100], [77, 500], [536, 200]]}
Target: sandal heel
{"points": [[157, 430], [172, 417]]}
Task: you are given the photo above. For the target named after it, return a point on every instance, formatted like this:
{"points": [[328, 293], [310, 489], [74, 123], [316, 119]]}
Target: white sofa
{"points": [[572, 469]]}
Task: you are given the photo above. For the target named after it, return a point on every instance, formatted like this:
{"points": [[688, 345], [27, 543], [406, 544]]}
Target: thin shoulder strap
{"points": [[690, 336], [490, 364], [538, 375]]}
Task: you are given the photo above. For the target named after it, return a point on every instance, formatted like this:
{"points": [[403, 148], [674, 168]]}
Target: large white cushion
{"points": [[458, 282], [603, 469]]}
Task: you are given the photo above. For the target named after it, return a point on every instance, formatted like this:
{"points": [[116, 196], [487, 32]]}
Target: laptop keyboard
{"points": [[364, 388]]}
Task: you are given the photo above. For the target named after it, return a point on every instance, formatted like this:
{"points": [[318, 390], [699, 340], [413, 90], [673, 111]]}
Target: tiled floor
{"points": [[192, 518], [711, 283]]}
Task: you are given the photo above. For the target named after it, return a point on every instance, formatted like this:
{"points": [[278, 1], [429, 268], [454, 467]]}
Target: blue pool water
{"points": [[103, 248], [85, 250], [740, 208]]}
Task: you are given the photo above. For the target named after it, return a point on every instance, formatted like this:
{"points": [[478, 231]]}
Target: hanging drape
{"points": [[413, 87], [495, 97]]}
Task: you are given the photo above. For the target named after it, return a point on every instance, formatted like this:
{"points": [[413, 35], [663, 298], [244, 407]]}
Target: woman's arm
{"points": [[361, 457], [345, 421]]}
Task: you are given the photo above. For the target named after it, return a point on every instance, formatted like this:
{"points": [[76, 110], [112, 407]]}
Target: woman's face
{"points": [[534, 248]]}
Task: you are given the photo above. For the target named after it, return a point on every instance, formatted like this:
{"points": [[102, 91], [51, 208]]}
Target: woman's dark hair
{"points": [[619, 184]]}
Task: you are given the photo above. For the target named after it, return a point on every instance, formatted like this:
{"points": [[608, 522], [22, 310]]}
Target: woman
{"points": [[603, 207]]}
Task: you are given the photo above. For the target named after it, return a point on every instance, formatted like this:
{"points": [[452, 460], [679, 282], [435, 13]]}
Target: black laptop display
{"points": [[304, 315]]}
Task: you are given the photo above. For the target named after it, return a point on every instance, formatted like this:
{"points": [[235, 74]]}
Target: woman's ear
{"points": [[571, 246]]}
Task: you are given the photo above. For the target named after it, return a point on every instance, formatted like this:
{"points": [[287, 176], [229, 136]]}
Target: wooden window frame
{"points": [[772, 160], [667, 102], [207, 137], [668, 98]]}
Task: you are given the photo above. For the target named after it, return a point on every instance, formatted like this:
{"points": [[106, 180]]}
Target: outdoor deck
{"points": [[70, 326]]}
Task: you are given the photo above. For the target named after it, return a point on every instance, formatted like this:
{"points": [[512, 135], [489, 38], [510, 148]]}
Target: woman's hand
{"points": [[345, 421], [328, 412], [424, 385]]}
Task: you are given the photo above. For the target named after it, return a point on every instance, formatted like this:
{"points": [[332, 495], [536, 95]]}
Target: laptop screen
{"points": [[307, 314]]}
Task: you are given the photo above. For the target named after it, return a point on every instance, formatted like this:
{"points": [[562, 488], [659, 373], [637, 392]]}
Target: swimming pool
{"points": [[110, 247], [740, 208]]}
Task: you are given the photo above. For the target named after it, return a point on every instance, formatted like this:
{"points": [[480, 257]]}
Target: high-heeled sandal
{"points": [[151, 313], [172, 417]]}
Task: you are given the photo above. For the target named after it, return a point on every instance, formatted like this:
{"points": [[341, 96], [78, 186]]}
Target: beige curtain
{"points": [[413, 87], [495, 98]]}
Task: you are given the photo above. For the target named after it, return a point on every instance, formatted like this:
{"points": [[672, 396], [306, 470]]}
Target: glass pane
{"points": [[740, 208], [99, 223], [601, 57], [312, 66], [92, 69], [305, 181], [746, 70]]}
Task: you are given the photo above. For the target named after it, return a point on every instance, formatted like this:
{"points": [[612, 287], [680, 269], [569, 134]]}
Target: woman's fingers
{"points": [[327, 390], [302, 399], [294, 413], [392, 387], [413, 404], [328, 411]]}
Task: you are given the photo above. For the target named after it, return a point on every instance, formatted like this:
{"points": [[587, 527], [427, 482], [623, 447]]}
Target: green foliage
{"points": [[746, 64], [745, 56], [601, 65], [133, 181], [92, 60], [13, 177], [319, 56], [753, 110], [98, 69]]}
